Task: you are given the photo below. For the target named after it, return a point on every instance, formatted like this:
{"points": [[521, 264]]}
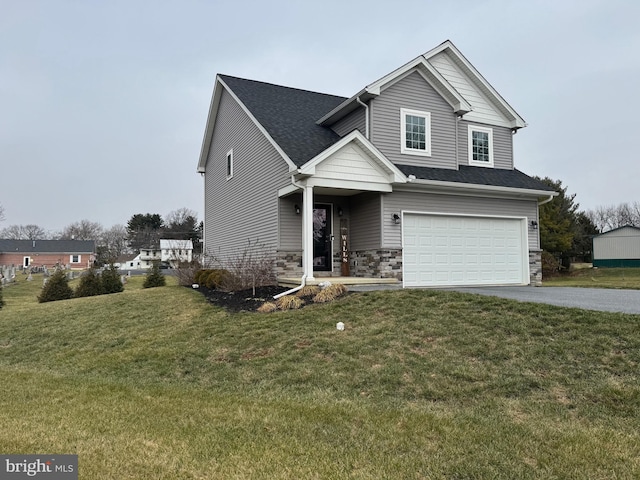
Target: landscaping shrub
{"points": [[90, 284], [186, 272], [154, 278], [56, 288], [551, 266], [267, 307], [2, 303], [330, 293], [289, 302], [216, 279], [111, 282], [308, 291], [250, 267]]}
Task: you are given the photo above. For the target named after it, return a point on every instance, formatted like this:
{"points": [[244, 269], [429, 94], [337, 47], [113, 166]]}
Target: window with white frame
{"points": [[480, 146], [229, 164], [416, 132], [74, 258]]}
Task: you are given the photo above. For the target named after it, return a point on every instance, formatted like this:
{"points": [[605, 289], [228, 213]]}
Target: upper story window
{"points": [[416, 132], [230, 164], [480, 146]]}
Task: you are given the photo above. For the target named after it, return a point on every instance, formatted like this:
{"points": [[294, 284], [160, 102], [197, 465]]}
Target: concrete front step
{"points": [[294, 282]]}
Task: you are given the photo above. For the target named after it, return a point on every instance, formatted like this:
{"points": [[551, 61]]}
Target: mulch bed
{"points": [[241, 301]]}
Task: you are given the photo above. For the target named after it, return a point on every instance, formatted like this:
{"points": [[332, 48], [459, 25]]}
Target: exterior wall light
{"points": [[396, 218], [534, 224], [340, 212], [297, 209]]}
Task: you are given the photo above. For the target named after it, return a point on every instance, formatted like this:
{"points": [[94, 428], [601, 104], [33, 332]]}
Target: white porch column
{"points": [[307, 231]]}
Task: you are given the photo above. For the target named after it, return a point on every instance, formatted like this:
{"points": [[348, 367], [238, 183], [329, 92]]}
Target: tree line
{"points": [[142, 230]]}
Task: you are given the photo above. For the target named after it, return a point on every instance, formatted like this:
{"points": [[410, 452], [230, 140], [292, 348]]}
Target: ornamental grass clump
{"points": [[308, 291], [267, 307], [330, 293], [289, 302]]}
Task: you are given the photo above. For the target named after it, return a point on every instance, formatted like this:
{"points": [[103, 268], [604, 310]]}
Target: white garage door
{"points": [[442, 250]]}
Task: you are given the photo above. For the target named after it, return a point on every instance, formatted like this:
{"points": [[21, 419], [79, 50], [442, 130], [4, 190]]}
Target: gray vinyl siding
{"points": [[355, 120], [413, 92], [364, 221], [245, 207], [502, 144], [290, 223], [434, 203]]}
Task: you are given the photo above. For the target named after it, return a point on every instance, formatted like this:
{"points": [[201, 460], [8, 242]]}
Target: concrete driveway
{"points": [[602, 299]]}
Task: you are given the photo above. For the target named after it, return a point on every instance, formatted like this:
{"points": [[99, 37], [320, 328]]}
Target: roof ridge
{"points": [[281, 86]]}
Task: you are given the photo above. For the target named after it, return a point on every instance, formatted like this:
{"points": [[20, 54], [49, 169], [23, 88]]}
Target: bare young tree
{"points": [[112, 243], [24, 232], [2, 217], [82, 230], [610, 217]]}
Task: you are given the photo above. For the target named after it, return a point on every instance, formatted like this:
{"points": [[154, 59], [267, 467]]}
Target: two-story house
{"points": [[412, 177]]}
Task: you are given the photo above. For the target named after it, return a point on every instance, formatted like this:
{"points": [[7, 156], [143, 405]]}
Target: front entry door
{"points": [[322, 255]]}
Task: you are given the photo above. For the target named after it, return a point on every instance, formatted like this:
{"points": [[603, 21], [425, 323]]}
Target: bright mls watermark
{"points": [[49, 467]]}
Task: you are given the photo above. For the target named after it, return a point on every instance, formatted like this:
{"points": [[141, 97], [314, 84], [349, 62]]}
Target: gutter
{"points": [[547, 200], [303, 280]]}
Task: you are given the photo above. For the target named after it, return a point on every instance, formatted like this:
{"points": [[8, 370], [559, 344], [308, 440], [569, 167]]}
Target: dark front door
{"points": [[322, 257]]}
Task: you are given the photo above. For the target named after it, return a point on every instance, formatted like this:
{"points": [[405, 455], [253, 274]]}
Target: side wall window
{"points": [[229, 164], [415, 132], [480, 146]]}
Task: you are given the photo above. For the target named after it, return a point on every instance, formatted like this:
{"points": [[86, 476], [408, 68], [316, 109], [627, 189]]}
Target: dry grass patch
{"points": [[289, 302], [308, 291], [267, 307], [330, 293]]}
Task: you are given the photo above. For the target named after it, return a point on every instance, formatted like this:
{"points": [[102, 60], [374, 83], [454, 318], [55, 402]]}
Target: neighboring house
{"points": [[410, 178], [128, 262], [77, 254], [176, 251], [617, 248], [147, 256]]}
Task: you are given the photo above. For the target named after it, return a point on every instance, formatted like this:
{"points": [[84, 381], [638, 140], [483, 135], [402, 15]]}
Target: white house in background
{"points": [[128, 262], [175, 251]]}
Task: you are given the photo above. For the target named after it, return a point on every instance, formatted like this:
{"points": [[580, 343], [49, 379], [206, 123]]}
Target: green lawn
{"points": [[158, 384], [597, 278]]}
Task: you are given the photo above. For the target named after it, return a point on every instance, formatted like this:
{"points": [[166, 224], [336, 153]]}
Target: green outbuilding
{"points": [[619, 247]]}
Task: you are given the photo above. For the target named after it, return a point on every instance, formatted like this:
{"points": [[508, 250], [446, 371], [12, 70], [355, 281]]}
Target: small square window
{"points": [[75, 259], [230, 164], [416, 132], [480, 146]]}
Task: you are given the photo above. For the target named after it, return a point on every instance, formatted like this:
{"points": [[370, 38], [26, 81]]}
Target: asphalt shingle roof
{"points": [[47, 246], [477, 176], [289, 115]]}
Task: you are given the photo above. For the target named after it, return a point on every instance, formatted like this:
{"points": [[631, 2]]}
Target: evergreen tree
{"points": [[111, 280], [154, 278], [90, 284], [57, 288]]}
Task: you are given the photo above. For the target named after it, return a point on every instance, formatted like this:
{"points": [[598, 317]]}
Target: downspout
{"points": [[366, 117], [303, 280]]}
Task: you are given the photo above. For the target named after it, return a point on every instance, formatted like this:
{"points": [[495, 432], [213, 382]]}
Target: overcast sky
{"points": [[103, 104]]}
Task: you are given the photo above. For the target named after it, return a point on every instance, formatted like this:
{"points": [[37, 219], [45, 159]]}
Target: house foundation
{"points": [[535, 268]]}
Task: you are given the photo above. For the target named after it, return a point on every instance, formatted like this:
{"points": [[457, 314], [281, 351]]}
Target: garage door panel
{"points": [[441, 250]]}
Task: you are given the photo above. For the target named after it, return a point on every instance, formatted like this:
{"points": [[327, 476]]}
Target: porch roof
{"points": [[495, 177]]}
